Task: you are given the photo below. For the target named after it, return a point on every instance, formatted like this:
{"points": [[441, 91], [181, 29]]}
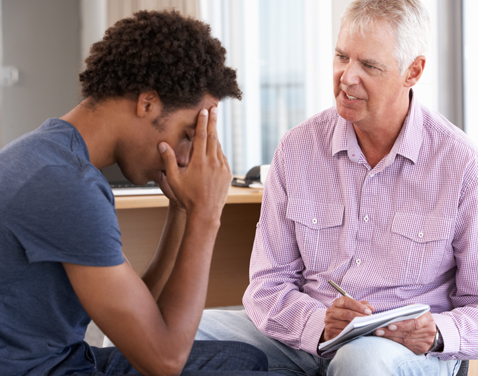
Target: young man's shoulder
{"points": [[51, 156], [47, 182], [53, 142]]}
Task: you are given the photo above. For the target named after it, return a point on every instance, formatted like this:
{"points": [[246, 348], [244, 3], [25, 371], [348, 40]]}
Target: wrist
{"points": [[208, 214], [176, 208], [438, 344], [204, 219], [322, 339]]}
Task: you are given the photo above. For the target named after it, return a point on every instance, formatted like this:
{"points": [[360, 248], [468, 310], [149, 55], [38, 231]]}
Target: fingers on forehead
{"points": [[201, 128], [213, 116]]}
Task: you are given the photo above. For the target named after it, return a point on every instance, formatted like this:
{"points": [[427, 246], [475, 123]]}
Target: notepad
{"points": [[362, 326]]}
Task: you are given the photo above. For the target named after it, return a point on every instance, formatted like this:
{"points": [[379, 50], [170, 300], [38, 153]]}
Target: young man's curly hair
{"points": [[162, 51]]}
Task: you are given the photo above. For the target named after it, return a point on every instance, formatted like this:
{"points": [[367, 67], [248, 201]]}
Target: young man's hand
{"points": [[168, 192], [418, 335], [340, 313], [202, 187]]}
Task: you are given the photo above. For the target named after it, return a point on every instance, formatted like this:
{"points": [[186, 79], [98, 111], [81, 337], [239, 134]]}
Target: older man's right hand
{"points": [[341, 312]]}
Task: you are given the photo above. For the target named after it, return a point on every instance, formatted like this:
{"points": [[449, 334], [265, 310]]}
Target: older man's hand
{"points": [[340, 313], [418, 335]]}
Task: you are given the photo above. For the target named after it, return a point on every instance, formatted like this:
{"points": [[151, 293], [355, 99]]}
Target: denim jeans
{"points": [[365, 356], [207, 358]]}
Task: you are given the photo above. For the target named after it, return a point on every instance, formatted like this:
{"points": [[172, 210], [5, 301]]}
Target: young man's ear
{"points": [[148, 103], [415, 71]]}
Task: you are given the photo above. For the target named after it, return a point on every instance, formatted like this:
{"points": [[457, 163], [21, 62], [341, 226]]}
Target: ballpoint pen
{"points": [[339, 289]]}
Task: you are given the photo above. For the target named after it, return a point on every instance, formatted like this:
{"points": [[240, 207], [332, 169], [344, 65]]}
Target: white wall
{"points": [[42, 40], [93, 24]]}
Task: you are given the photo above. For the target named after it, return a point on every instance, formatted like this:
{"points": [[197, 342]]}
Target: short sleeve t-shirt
{"points": [[55, 207]]}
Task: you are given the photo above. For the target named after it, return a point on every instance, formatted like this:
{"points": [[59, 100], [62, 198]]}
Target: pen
{"points": [[339, 289]]}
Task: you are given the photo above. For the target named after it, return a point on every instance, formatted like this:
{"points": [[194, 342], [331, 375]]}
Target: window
{"points": [[282, 50]]}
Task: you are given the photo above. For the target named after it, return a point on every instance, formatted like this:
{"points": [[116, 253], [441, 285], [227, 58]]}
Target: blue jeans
{"points": [[207, 358], [367, 356]]}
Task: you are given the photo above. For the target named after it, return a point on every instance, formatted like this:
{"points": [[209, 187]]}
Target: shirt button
{"points": [[257, 224], [365, 218], [372, 175], [420, 235], [358, 261], [314, 221]]}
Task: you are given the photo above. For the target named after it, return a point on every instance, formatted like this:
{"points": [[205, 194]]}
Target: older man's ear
{"points": [[415, 71]]}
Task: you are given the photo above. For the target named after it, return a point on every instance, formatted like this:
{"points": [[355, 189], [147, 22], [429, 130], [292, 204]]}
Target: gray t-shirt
{"points": [[55, 206]]}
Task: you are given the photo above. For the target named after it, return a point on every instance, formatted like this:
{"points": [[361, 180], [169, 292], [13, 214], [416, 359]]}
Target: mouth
{"points": [[350, 97]]}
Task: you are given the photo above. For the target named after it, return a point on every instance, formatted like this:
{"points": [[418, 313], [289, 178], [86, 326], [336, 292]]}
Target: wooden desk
{"points": [[141, 219]]}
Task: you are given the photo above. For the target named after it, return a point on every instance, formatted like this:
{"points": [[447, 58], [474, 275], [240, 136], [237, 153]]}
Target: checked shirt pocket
{"points": [[317, 227], [418, 246]]}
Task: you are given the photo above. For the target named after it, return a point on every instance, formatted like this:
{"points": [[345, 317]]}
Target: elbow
{"points": [[174, 367], [166, 366], [166, 370]]}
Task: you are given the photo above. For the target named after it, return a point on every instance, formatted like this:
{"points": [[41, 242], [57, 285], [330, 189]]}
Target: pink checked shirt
{"points": [[403, 232]]}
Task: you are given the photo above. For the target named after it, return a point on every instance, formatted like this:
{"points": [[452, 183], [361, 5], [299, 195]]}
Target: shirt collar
{"points": [[339, 139], [407, 144], [412, 131]]}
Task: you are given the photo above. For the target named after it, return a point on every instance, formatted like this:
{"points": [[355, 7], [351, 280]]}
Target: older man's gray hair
{"points": [[408, 20]]}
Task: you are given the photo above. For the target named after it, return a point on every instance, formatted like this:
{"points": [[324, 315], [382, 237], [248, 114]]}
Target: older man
{"points": [[378, 194]]}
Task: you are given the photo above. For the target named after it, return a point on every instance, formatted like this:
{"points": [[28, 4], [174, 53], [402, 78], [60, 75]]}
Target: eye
{"points": [[368, 66], [341, 57], [189, 136]]}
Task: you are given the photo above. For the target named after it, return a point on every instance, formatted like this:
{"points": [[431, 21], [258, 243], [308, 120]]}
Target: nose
{"points": [[183, 155], [350, 75]]}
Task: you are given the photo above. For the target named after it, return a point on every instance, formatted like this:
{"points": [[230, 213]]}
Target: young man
{"points": [[151, 89], [378, 194]]}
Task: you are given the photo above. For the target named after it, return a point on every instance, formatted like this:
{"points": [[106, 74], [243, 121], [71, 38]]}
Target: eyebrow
{"points": [[338, 50], [192, 126], [373, 62]]}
